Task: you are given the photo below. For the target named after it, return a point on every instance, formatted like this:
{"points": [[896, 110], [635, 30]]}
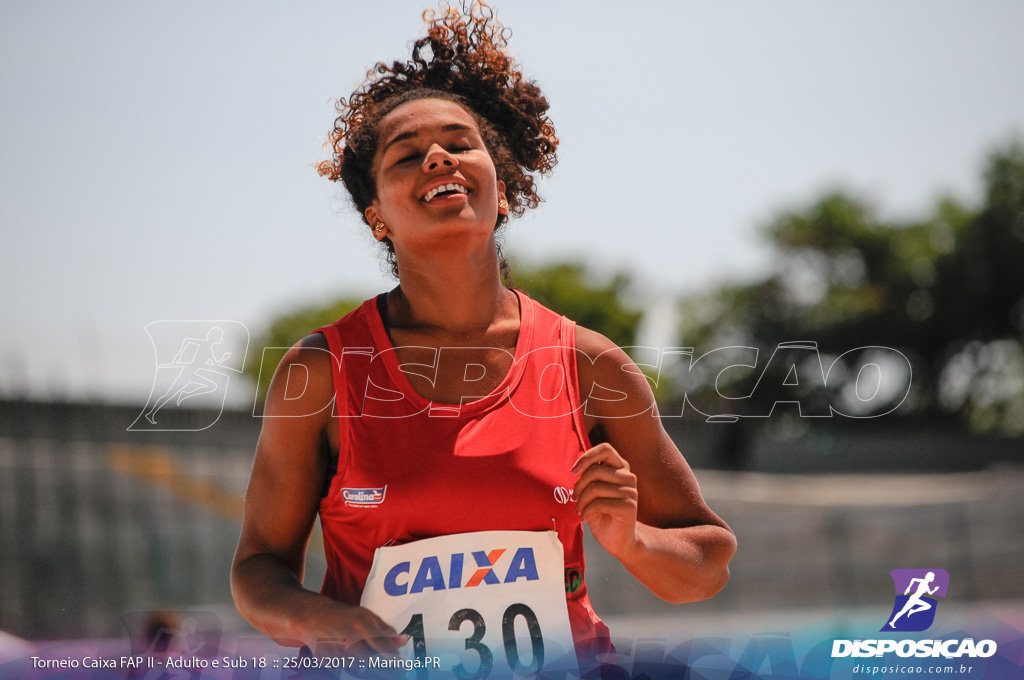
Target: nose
{"points": [[438, 157]]}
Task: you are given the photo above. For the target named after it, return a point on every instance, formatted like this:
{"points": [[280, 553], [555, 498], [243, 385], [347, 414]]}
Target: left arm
{"points": [[635, 490]]}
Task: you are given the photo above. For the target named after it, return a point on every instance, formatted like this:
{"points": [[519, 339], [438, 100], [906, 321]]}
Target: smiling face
{"points": [[434, 177]]}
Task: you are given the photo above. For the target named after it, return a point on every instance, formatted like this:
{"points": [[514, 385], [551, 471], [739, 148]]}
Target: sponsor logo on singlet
{"points": [[430, 574], [364, 497], [573, 580]]}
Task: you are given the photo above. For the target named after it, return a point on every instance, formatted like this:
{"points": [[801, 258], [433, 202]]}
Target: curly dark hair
{"points": [[462, 60]]}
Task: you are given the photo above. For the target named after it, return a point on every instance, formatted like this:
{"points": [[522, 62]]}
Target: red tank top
{"points": [[409, 469]]}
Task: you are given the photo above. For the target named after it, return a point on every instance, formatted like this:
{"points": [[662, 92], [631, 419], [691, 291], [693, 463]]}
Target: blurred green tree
{"points": [[283, 332], [947, 292], [571, 290]]}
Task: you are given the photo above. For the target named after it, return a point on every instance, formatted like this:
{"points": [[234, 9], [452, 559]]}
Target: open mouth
{"points": [[445, 190]]}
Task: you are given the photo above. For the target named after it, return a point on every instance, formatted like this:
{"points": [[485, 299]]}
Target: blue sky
{"points": [[157, 159]]}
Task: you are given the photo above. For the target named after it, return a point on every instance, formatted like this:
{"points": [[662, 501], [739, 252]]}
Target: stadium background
{"points": [[157, 164]]}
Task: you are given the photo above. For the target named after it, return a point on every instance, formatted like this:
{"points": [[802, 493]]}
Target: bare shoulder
{"points": [[612, 385], [303, 382], [297, 428], [592, 343]]}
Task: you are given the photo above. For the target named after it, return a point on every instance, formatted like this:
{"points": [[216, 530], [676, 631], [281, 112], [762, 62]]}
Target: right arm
{"points": [[280, 507]]}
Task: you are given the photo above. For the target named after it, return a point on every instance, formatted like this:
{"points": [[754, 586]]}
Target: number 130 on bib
{"points": [[488, 604]]}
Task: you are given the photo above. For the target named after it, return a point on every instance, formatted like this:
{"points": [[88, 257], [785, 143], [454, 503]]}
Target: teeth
{"points": [[447, 187]]}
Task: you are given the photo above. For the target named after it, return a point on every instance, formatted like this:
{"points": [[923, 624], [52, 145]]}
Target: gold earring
{"points": [[379, 227], [503, 206]]}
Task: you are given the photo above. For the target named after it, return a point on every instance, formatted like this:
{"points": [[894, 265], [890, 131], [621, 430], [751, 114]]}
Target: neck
{"points": [[450, 296]]}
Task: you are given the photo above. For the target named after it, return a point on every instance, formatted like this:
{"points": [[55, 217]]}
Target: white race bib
{"points": [[489, 602]]}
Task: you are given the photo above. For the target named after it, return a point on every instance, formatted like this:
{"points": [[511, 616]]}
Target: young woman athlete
{"points": [[455, 404]]}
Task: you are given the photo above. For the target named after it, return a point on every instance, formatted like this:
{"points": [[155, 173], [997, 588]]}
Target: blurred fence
{"points": [[97, 523]]}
